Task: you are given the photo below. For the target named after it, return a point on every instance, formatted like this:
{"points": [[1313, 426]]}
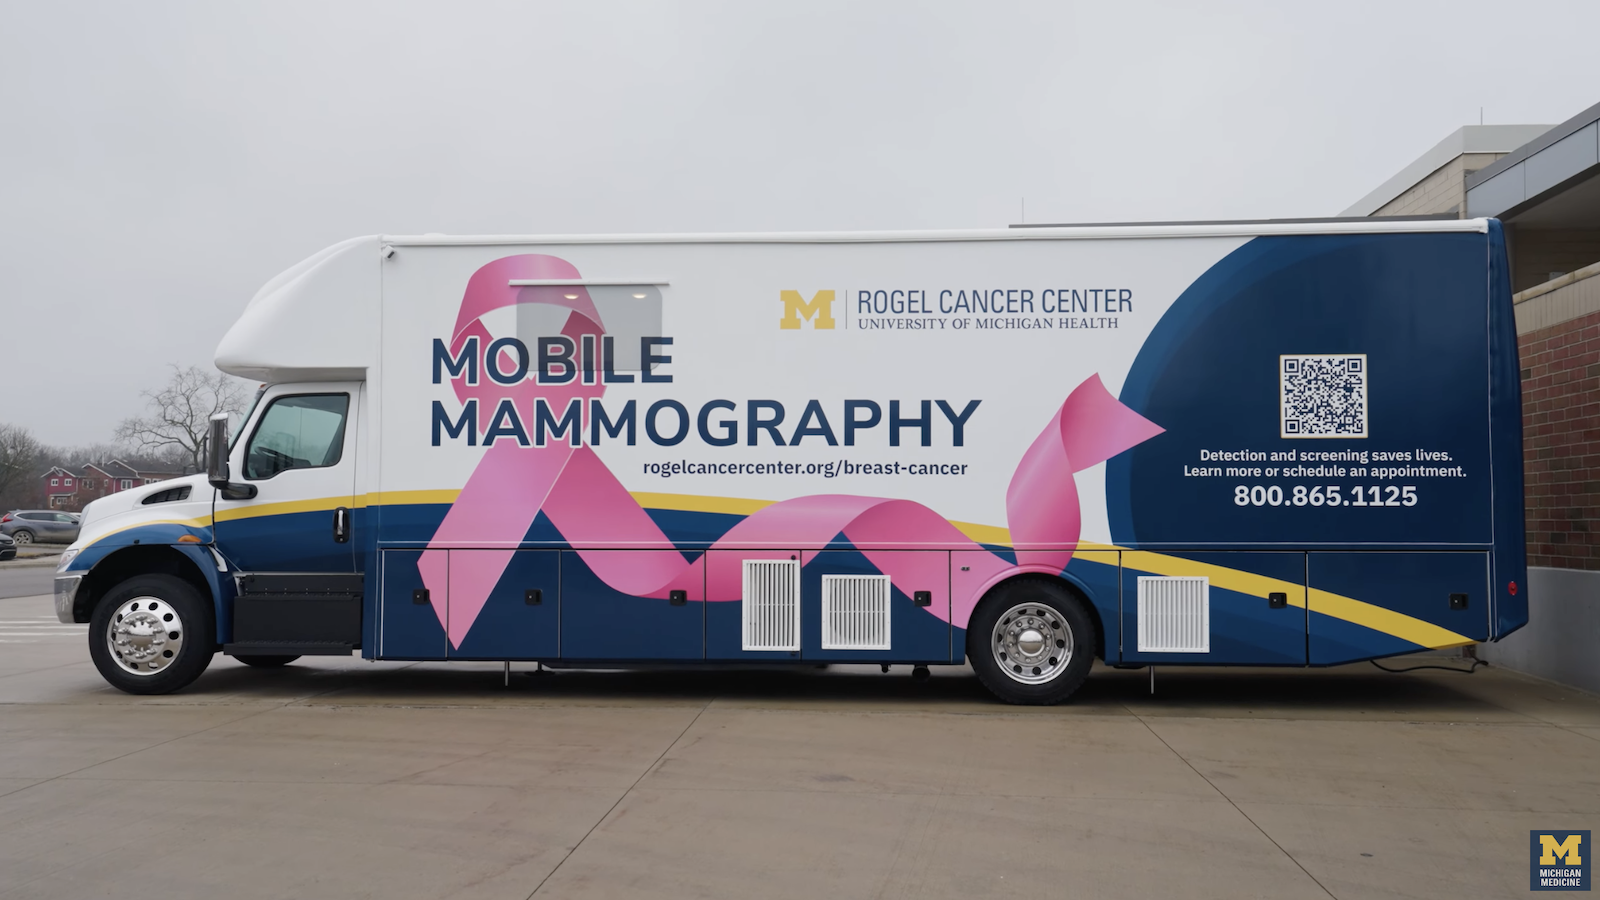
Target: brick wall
{"points": [[1561, 442]]}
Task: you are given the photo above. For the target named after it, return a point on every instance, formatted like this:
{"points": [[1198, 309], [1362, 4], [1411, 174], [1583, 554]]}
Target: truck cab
{"points": [[260, 557]]}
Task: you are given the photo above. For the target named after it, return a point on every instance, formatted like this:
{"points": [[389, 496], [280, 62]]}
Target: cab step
{"points": [[281, 648]]}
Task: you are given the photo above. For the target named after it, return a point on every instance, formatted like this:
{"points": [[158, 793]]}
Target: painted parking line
{"points": [[37, 629]]}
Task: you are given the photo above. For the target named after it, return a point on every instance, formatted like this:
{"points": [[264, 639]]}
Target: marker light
{"points": [[638, 296], [570, 296]]}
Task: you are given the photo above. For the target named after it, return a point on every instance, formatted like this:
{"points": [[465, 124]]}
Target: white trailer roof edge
{"points": [[1376, 226]]}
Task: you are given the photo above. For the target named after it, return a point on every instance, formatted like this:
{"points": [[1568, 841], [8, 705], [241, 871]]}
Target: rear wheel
{"points": [[22, 537], [1031, 641], [152, 634], [267, 662]]}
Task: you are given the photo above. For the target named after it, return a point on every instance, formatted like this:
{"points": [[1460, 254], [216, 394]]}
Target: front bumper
{"points": [[66, 592]]}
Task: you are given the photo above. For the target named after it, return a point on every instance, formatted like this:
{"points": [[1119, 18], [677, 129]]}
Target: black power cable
{"points": [[1467, 671]]}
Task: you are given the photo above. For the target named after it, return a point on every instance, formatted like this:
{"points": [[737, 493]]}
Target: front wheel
{"points": [[1031, 641], [152, 634]]}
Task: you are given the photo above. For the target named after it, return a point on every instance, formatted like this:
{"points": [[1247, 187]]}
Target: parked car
{"points": [[25, 526], [8, 548]]}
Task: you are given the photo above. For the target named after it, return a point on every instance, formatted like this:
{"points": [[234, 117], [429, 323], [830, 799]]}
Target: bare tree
{"points": [[75, 457], [179, 414], [20, 454]]}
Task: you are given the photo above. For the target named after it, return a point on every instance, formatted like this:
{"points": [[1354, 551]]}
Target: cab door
{"points": [[298, 453]]}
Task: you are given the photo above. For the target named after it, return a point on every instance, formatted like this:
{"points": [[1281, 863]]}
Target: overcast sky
{"points": [[160, 161]]}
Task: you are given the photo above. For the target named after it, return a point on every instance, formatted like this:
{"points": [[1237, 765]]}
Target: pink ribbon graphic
{"points": [[619, 541]]}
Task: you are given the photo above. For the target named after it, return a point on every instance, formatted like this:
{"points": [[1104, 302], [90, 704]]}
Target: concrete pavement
{"points": [[340, 778], [26, 578]]}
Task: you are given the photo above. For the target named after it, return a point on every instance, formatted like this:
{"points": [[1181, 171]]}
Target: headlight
{"points": [[67, 556]]}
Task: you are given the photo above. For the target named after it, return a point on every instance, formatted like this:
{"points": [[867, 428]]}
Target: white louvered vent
{"points": [[770, 604], [1174, 614], [855, 612]]}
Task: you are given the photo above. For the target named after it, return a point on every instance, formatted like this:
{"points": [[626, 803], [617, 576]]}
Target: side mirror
{"points": [[217, 451]]}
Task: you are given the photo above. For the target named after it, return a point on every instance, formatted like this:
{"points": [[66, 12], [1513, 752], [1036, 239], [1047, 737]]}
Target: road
{"points": [[24, 581], [338, 777]]}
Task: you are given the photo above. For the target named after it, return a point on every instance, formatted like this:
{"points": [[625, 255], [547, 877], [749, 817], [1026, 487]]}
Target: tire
{"points": [[267, 662], [136, 658], [1013, 620], [22, 537]]}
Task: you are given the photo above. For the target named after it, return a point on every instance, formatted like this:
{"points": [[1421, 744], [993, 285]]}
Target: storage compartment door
{"points": [[1367, 605], [757, 616], [602, 623], [521, 617], [410, 621], [853, 611], [1214, 608]]}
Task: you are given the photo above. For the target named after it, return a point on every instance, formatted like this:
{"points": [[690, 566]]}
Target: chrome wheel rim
{"points": [[145, 635], [1031, 643], [22, 537]]}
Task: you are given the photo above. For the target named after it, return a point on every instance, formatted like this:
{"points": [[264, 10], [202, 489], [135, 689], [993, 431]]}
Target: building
{"points": [[61, 489], [71, 491], [1541, 183], [1435, 184], [125, 476]]}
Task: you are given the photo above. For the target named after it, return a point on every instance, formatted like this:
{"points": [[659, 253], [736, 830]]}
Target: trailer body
{"points": [[1230, 445]]}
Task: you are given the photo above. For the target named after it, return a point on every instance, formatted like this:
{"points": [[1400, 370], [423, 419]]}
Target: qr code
{"points": [[1323, 395]]}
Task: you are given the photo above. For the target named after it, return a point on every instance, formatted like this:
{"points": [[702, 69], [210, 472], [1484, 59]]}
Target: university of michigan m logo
{"points": [[1570, 850], [795, 308]]}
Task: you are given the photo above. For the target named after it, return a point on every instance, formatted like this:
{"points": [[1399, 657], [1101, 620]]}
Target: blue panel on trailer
{"points": [[1409, 310], [1419, 586], [1245, 628], [514, 623], [1509, 566], [408, 629], [917, 634], [600, 622], [1097, 574], [409, 523], [689, 529], [1334, 641]]}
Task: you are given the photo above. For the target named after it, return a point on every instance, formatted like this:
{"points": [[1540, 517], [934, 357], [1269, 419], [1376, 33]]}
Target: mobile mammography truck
{"points": [[1245, 444]]}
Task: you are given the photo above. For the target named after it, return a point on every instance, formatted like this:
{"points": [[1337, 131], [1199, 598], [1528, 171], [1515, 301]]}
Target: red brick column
{"points": [[1561, 443]]}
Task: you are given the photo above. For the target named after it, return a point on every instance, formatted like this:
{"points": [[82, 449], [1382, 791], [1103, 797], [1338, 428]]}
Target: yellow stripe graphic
{"points": [[1349, 609], [202, 522], [284, 508], [1387, 621]]}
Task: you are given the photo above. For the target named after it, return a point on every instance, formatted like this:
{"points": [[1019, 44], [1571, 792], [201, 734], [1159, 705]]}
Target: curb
{"points": [[51, 561]]}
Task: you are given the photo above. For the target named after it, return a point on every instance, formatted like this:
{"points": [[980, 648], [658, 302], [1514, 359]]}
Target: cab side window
{"points": [[304, 431]]}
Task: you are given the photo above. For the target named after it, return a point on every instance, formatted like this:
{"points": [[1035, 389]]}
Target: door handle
{"points": [[341, 525]]}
